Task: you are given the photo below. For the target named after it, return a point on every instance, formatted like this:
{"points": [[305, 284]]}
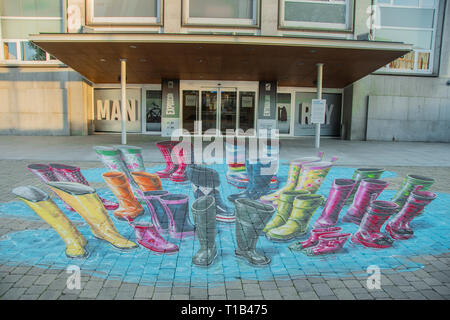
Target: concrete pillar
{"points": [[123, 87]]}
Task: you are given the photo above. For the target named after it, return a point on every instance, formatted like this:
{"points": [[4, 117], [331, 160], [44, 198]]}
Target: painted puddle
{"points": [[45, 249]]}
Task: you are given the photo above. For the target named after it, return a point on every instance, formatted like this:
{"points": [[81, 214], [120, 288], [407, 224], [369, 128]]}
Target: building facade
{"points": [[226, 64]]}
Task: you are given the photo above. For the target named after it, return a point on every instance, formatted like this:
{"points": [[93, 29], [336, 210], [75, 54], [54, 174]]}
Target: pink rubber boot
{"points": [[369, 189], [73, 174], [399, 226], [166, 148], [46, 174], [328, 243], [340, 191], [180, 152], [148, 237], [314, 238], [369, 234]]}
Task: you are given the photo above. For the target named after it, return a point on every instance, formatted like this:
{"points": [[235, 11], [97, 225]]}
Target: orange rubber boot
{"points": [[147, 181], [129, 207]]}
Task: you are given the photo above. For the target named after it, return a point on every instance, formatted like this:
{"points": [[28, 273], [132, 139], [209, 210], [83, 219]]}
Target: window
{"points": [[239, 13], [335, 15], [409, 21], [119, 12], [19, 19], [24, 50]]}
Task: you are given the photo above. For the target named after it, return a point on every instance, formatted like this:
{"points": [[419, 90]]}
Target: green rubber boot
{"points": [[408, 185], [303, 209], [285, 205]]}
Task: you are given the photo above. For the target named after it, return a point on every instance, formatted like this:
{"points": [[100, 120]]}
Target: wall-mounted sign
{"points": [[108, 110], [267, 105], [318, 109], [191, 100], [247, 102]]}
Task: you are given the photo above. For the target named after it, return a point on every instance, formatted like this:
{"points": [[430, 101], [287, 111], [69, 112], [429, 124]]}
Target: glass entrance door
{"points": [[214, 110]]}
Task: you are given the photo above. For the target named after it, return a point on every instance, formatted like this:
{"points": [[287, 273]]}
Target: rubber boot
{"points": [[363, 173], [285, 205], [260, 176], [158, 211], [369, 189], [147, 181], [369, 234], [206, 181], [129, 206], [399, 226], [132, 157], [46, 174], [295, 167], [409, 183], [179, 175], [73, 174], [313, 239], [328, 244], [204, 213], [236, 174], [313, 175], [112, 160], [85, 201], [251, 217], [177, 206], [340, 190], [303, 209], [166, 148], [148, 237], [44, 207]]}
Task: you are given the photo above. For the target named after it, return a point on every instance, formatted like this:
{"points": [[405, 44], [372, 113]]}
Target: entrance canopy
{"points": [[152, 57]]}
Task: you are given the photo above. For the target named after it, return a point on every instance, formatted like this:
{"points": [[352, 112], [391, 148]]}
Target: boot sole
{"points": [[355, 240], [118, 248], [299, 235], [396, 236], [206, 265], [243, 258], [156, 252]]}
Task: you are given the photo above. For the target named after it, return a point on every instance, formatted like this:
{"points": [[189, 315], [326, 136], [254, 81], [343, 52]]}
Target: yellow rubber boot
{"points": [[295, 167], [313, 175], [44, 207], [84, 200], [303, 209], [284, 209]]}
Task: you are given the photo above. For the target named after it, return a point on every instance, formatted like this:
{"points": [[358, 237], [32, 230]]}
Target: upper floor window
{"points": [[334, 15], [412, 22], [19, 19], [238, 13], [120, 12]]}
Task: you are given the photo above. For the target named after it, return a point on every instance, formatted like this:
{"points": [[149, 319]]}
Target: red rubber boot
{"points": [[166, 148], [369, 234], [313, 239], [399, 226], [181, 152], [329, 243]]}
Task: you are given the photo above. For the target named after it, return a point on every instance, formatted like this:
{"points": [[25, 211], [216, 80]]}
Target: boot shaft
{"points": [[118, 183], [204, 214], [177, 207], [43, 171], [68, 173], [361, 174], [408, 185], [377, 213], [337, 197], [147, 181], [132, 157], [313, 175], [368, 189]]}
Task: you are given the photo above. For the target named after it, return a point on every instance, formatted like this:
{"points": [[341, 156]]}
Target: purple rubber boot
{"points": [[177, 209], [399, 226], [340, 190], [369, 189]]}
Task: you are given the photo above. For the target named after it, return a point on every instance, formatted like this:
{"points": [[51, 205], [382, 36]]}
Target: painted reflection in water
{"points": [[44, 248]]}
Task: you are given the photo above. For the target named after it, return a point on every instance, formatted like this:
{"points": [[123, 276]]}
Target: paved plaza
{"points": [[33, 265]]}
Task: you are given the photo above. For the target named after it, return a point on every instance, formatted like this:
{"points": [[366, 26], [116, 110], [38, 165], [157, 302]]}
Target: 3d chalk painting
{"points": [[198, 225]]}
